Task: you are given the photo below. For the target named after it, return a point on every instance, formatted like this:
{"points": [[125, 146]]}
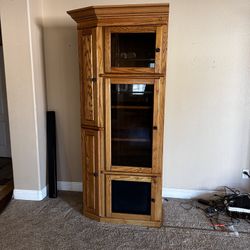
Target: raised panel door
{"points": [[90, 46], [92, 161]]}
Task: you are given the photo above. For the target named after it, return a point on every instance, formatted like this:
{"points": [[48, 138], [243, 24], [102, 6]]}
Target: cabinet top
{"points": [[116, 15]]}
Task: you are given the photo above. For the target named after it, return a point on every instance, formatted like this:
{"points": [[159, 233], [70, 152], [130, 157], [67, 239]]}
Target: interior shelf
{"points": [[130, 107], [131, 139]]}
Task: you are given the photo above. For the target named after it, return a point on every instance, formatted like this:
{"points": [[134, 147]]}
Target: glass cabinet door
{"points": [[131, 123], [133, 197], [132, 48]]}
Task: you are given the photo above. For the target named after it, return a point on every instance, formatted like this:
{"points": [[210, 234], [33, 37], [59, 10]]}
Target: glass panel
{"points": [[133, 50], [131, 197], [131, 124]]}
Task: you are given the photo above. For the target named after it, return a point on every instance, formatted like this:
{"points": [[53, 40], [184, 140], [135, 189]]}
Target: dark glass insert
{"points": [[131, 124], [131, 197], [133, 49]]}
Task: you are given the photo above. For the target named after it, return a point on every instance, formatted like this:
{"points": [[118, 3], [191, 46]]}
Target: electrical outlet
{"points": [[244, 176]]}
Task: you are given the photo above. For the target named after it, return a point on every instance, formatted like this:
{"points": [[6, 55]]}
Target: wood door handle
{"points": [[152, 200], [95, 174], [155, 128], [157, 50]]}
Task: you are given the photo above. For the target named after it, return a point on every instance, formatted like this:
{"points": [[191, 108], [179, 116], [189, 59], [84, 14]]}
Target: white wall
{"points": [[206, 143], [207, 132], [23, 58]]}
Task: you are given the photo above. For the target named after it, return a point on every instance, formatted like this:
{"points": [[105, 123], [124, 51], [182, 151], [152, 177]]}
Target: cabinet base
{"points": [[144, 223]]}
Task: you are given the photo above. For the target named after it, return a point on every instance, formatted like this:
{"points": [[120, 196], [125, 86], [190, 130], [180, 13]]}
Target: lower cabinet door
{"points": [[92, 164], [133, 197]]}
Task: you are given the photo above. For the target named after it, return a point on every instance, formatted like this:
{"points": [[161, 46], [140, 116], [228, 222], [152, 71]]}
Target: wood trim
{"points": [[131, 174], [131, 169], [164, 31], [92, 127], [156, 207], [91, 216], [131, 29], [115, 15], [156, 168], [161, 123], [99, 70], [132, 75], [108, 195], [130, 69], [131, 81], [107, 50], [158, 44], [130, 216], [107, 124]]}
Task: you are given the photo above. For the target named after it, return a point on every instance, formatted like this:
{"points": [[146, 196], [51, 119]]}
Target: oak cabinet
{"points": [[122, 62]]}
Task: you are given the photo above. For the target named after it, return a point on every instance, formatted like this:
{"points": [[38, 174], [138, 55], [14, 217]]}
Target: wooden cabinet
{"points": [[122, 58]]}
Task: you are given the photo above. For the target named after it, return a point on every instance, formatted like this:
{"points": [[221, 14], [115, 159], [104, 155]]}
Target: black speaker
{"points": [[51, 153]]}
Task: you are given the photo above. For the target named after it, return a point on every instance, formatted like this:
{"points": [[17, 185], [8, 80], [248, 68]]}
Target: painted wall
{"points": [[23, 58], [207, 128]]}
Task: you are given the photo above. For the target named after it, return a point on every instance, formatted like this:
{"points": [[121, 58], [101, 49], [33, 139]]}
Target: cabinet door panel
{"points": [[91, 86], [132, 125], [133, 197], [92, 161], [133, 49], [88, 86]]}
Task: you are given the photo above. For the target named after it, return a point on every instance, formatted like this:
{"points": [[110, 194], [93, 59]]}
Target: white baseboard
{"points": [[69, 186], [166, 192], [32, 195], [185, 193]]}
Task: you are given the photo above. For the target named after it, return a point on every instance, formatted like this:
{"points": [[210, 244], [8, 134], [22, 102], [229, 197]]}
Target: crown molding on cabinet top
{"points": [[116, 15]]}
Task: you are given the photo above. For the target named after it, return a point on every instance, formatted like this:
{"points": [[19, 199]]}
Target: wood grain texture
{"points": [[156, 167], [88, 88], [91, 66], [132, 222], [131, 174], [117, 15], [90, 162], [95, 25], [93, 160], [132, 75]]}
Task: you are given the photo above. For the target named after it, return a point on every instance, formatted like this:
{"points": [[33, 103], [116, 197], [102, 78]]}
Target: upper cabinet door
{"points": [[133, 49], [90, 46]]}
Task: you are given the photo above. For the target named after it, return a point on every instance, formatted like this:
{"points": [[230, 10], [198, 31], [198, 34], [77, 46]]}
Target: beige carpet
{"points": [[59, 224]]}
